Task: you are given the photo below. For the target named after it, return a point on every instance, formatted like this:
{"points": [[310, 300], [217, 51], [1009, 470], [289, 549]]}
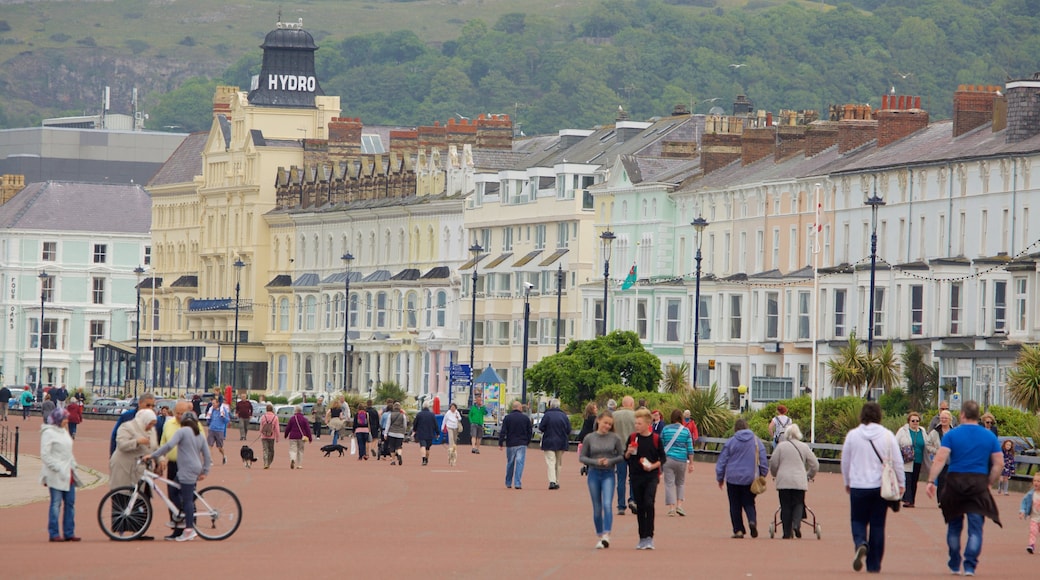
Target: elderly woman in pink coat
{"points": [[134, 439]]}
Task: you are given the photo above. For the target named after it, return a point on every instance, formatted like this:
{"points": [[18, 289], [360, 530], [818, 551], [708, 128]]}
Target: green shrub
{"points": [[390, 390], [1014, 422], [709, 409], [894, 402]]}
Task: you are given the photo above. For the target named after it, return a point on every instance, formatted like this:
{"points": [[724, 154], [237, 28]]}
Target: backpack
{"points": [[362, 419], [267, 428], [778, 429], [657, 439]]}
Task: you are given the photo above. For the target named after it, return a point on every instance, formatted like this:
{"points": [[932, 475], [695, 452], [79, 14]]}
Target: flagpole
{"points": [[817, 227]]}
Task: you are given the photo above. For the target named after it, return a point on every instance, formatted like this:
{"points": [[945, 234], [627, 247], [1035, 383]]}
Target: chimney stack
{"points": [[494, 132], [757, 143], [344, 137], [1023, 109], [721, 143], [973, 107], [899, 118], [856, 127], [222, 98]]}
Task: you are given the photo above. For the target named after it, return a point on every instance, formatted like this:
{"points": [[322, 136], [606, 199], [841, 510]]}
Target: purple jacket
{"points": [[736, 463], [298, 427]]}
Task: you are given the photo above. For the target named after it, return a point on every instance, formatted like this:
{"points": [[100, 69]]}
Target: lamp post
{"points": [[527, 324], [347, 259], [559, 304], [606, 242], [44, 276], [698, 224], [139, 271], [475, 249], [874, 202], [239, 264]]}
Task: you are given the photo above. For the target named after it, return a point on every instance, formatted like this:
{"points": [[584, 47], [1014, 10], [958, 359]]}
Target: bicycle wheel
{"points": [[218, 513], [124, 514]]}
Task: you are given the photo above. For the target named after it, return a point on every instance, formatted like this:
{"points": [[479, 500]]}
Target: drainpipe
{"points": [[1014, 204], [949, 222]]}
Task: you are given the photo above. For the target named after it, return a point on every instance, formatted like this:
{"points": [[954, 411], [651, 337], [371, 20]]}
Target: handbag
{"points": [[353, 446], [889, 479], [908, 453], [760, 484]]}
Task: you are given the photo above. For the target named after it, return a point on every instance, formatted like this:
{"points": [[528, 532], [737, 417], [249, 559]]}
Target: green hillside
{"points": [[552, 64]]}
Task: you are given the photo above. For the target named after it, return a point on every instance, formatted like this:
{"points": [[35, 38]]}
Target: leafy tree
{"points": [[709, 409], [676, 377], [586, 366], [848, 369], [186, 108], [922, 379], [1024, 379]]}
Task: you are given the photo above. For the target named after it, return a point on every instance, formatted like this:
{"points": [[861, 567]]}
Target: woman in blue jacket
{"points": [[742, 460]]}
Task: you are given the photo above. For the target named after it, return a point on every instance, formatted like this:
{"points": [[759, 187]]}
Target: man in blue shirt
{"points": [[219, 417], [975, 464]]}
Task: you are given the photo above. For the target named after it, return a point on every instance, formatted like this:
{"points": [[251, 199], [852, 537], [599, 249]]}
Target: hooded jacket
{"points": [[59, 465], [736, 464], [860, 466], [556, 430]]}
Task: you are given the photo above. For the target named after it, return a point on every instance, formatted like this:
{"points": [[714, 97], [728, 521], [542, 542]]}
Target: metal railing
{"points": [[9, 450]]}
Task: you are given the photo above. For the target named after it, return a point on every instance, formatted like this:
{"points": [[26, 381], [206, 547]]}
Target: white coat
{"points": [[59, 466]]}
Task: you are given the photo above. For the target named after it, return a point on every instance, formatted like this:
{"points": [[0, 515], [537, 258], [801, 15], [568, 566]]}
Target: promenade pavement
{"points": [[339, 516]]}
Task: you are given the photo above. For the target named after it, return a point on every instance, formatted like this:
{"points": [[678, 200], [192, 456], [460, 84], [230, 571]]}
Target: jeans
{"points": [[741, 499], [515, 465], [72, 429], [553, 463], [644, 490], [868, 513], [68, 522], [362, 444], [622, 480], [972, 548], [601, 489], [335, 436], [792, 508], [912, 477]]}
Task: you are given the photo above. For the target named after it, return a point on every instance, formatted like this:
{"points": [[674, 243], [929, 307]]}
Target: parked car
{"points": [[101, 406], [117, 408], [286, 411], [258, 409]]}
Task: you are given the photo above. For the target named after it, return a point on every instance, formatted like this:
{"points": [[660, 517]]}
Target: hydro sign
{"points": [[291, 83]]}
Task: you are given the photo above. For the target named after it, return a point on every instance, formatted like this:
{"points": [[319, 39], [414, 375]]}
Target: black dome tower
{"points": [[287, 75]]}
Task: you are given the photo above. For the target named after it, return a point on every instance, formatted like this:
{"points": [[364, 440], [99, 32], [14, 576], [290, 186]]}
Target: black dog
{"points": [[247, 456], [328, 449]]}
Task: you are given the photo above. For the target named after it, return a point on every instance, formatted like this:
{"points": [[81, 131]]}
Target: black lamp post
{"points": [[874, 202], [44, 276], [139, 271], [475, 249], [559, 304], [698, 224], [347, 259], [527, 325], [606, 243], [239, 264]]}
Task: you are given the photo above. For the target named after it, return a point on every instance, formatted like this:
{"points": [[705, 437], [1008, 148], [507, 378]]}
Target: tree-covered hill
{"points": [[553, 72]]}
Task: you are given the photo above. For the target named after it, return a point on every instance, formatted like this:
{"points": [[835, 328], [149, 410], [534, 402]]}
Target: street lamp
{"points": [[874, 202], [559, 304], [475, 249], [239, 264], [606, 240], [139, 271], [527, 324], [44, 276], [347, 259], [698, 224]]}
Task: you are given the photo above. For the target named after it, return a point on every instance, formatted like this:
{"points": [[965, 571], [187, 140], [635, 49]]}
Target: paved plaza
{"points": [[340, 516]]}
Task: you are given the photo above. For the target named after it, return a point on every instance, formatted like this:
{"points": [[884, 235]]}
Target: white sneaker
{"points": [[187, 536], [649, 544], [599, 544], [605, 540]]}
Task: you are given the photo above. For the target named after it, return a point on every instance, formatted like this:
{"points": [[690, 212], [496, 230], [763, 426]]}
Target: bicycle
{"points": [[125, 513]]}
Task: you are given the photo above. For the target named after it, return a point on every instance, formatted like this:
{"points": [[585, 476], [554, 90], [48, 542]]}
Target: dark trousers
{"points": [[173, 492], [362, 444], [741, 500], [868, 513], [188, 504], [316, 427], [792, 508], [644, 492], [621, 470], [912, 477]]}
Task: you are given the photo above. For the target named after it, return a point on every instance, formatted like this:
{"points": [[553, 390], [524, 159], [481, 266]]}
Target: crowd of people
{"points": [[624, 453]]}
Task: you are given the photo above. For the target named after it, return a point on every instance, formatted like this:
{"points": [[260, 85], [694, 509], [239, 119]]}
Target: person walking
{"points": [[425, 430], [912, 436], [362, 432], [624, 425], [75, 409], [336, 420], [600, 451], [47, 406], [1030, 508], [375, 429], [397, 428], [678, 446], [317, 415], [61, 394], [588, 425], [219, 418], [935, 436], [974, 460], [863, 456], [555, 426], [193, 464], [268, 434], [944, 405], [514, 437], [793, 465], [1007, 449], [476, 423], [26, 399], [743, 458], [5, 399], [244, 411], [778, 424], [58, 475], [645, 456], [298, 432], [452, 424]]}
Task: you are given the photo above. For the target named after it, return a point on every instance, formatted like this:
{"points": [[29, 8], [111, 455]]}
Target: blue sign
{"points": [[459, 373]]}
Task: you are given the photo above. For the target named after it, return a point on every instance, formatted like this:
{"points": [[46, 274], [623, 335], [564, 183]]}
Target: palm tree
{"points": [[921, 379], [675, 377], [1024, 379], [848, 369], [882, 370]]}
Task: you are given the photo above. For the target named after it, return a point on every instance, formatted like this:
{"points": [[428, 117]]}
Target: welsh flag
{"points": [[630, 280]]}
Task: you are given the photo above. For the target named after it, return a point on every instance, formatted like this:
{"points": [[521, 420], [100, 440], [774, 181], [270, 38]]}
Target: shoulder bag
{"points": [[889, 479], [759, 485]]}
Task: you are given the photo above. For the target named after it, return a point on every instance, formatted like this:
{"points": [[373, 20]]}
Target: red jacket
{"points": [[244, 409], [75, 413]]}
